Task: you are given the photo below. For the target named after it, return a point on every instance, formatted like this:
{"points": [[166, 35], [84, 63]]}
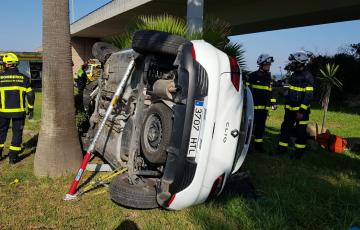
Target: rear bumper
{"points": [[179, 169], [215, 158]]}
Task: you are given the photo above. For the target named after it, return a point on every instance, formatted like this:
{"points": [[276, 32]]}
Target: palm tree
{"points": [[328, 80], [58, 150], [215, 31]]}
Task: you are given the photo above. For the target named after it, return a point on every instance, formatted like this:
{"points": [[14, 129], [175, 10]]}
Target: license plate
{"points": [[195, 138]]}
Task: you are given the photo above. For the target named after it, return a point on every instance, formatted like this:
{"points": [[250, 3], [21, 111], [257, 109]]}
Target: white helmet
{"points": [[300, 57], [265, 59], [309, 54]]}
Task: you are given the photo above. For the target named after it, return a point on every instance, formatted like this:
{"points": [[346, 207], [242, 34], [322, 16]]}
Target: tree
{"points": [[355, 48], [215, 31], [58, 151], [328, 80]]}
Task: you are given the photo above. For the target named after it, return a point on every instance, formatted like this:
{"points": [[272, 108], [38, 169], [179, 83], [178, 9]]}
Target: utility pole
{"points": [[195, 15]]}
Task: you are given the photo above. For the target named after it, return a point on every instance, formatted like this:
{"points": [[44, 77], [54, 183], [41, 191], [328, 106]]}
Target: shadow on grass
{"points": [[354, 144], [31, 145], [308, 203], [320, 191], [87, 181], [127, 225]]}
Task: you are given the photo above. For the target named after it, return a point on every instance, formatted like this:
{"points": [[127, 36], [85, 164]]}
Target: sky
{"points": [[323, 39], [23, 33]]}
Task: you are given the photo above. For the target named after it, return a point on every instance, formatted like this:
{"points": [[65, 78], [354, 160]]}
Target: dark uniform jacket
{"points": [[14, 87], [81, 79], [300, 91], [260, 86]]}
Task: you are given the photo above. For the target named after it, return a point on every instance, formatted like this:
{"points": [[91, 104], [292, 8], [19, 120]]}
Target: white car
{"points": [[184, 123]]}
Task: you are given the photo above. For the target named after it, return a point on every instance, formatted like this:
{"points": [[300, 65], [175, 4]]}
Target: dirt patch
{"points": [[28, 132]]}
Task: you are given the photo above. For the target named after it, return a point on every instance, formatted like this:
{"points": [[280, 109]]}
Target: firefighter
{"points": [[82, 77], [260, 85], [14, 87], [81, 84], [297, 105]]}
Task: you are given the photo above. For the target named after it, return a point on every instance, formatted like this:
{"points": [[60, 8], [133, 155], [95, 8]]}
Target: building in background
{"points": [[30, 64]]}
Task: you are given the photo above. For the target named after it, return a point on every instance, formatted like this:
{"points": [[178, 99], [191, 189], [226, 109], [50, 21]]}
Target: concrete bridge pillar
{"points": [[81, 51], [195, 15]]}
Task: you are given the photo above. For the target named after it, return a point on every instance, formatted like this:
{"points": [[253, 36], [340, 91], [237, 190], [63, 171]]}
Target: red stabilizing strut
{"points": [[79, 174]]}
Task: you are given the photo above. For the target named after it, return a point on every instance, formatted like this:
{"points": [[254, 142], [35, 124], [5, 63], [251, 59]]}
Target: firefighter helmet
{"points": [[10, 58], [299, 57], [265, 59]]}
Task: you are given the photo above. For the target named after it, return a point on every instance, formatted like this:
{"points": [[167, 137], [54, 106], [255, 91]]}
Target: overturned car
{"points": [[183, 124]]}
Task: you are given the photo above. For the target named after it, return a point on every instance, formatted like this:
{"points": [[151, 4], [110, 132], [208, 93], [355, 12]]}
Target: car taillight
{"points": [[171, 199], [216, 188], [235, 73], [193, 53]]}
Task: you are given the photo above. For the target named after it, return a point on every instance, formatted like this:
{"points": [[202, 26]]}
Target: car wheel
{"points": [[103, 50], [139, 196], [156, 133], [152, 41]]}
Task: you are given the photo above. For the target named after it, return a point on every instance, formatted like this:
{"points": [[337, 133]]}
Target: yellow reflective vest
{"points": [[14, 90]]}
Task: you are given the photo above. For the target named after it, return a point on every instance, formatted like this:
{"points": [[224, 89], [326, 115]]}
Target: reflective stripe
{"points": [[21, 99], [12, 110], [261, 107], [6, 88], [262, 87], [2, 145], [304, 106], [2, 92], [300, 146], [292, 108], [30, 106], [301, 89], [273, 100], [303, 122], [247, 83], [28, 90], [18, 77], [295, 88], [283, 144], [14, 148], [258, 140]]}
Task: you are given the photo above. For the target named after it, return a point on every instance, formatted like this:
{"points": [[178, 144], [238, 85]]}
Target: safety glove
{"points": [[30, 114], [273, 104]]}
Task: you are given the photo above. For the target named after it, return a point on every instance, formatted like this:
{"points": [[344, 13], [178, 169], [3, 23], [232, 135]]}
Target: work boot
{"points": [[258, 147], [299, 153], [13, 157], [281, 150]]}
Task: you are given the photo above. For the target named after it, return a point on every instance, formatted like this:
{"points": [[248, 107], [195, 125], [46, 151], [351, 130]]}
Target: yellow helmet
{"points": [[10, 58]]}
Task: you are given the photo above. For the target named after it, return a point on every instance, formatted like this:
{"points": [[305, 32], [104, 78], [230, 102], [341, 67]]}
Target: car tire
{"points": [[103, 50], [152, 41], [138, 196], [156, 133]]}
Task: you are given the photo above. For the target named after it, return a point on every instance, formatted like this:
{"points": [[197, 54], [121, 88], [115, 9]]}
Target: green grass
{"points": [[322, 191]]}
